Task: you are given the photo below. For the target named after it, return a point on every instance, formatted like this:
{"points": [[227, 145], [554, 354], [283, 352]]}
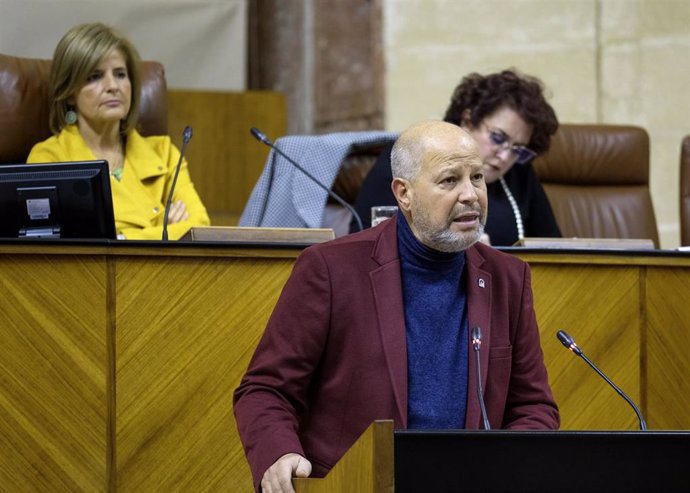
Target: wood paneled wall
{"points": [[224, 159]]}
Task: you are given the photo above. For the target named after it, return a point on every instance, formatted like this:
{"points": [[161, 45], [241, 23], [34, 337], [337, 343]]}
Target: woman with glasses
{"points": [[509, 117]]}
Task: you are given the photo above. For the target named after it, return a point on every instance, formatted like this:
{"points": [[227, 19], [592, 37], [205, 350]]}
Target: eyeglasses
{"points": [[500, 139]]}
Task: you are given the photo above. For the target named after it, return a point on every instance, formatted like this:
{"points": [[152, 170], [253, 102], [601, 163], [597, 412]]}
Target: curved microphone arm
{"points": [[569, 343], [261, 137]]}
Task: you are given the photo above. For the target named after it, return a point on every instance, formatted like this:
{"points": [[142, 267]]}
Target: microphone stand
{"points": [[569, 343], [186, 137], [476, 343], [261, 137]]}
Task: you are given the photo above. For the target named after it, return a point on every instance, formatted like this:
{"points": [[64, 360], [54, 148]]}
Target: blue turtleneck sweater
{"points": [[436, 326]]}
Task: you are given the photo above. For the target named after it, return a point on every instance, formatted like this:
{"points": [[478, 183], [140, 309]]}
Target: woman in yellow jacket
{"points": [[96, 86]]}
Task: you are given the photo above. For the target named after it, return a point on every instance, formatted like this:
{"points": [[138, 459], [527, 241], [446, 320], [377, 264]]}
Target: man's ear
{"points": [[402, 192]]}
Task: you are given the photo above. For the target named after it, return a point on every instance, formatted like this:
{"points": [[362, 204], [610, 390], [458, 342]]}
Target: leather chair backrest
{"points": [[24, 104], [597, 180], [353, 171], [685, 191]]}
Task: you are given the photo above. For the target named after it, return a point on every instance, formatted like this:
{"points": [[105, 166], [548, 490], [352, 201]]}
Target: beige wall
{"points": [[201, 43], [607, 61]]}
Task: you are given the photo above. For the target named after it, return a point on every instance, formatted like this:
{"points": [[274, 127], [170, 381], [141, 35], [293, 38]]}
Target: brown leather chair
{"points": [[685, 191], [597, 180], [24, 104]]}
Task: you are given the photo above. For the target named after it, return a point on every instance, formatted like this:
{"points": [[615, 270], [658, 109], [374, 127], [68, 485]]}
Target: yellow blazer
{"points": [[139, 198]]}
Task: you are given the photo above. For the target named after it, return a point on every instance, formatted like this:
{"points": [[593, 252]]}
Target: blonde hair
{"points": [[76, 56]]}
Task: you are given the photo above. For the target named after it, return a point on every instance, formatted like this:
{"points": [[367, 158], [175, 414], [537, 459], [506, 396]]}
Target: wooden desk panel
{"points": [[662, 346], [53, 397], [118, 363], [180, 355], [668, 347], [599, 306]]}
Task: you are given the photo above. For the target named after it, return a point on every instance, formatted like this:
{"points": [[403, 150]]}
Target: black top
{"points": [[537, 216]]}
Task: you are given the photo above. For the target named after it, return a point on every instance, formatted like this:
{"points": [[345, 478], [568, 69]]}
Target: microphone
{"points": [[261, 137], [186, 137], [569, 343], [476, 343]]}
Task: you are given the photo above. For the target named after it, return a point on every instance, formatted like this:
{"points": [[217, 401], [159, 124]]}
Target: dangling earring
{"points": [[70, 117]]}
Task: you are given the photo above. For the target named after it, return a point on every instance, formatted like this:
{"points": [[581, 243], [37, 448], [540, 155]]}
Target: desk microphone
{"points": [[476, 343], [569, 343], [186, 137], [261, 137]]}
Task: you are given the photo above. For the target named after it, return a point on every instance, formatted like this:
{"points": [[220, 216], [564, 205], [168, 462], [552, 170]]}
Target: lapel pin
{"points": [[481, 283]]}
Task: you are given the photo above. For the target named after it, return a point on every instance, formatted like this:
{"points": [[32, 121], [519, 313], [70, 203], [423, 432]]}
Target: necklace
{"points": [[516, 210], [117, 173], [118, 163]]}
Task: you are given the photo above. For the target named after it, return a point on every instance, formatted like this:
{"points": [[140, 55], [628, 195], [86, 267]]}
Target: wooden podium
{"points": [[509, 461], [366, 468]]}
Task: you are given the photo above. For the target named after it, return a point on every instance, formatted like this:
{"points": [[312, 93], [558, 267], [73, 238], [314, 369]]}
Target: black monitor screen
{"points": [[56, 200]]}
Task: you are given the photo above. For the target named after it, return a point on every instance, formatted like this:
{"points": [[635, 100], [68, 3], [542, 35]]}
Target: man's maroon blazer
{"points": [[333, 357]]}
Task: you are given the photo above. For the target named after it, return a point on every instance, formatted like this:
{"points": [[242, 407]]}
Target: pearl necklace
{"points": [[516, 210]]}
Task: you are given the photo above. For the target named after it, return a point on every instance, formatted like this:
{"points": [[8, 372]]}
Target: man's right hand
{"points": [[278, 477]]}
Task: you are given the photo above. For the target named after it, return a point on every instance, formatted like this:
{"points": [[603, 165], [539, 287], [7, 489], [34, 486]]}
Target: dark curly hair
{"points": [[484, 94]]}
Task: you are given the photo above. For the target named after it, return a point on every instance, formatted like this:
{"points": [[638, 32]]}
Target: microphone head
{"points": [[476, 336], [187, 134], [260, 136], [568, 341]]}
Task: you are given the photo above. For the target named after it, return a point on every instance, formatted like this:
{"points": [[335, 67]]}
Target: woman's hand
{"points": [[178, 212]]}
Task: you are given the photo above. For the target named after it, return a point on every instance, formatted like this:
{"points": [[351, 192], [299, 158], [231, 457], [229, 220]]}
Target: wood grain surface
{"points": [[53, 374], [600, 307], [118, 363], [180, 355], [668, 347], [366, 468], [225, 161]]}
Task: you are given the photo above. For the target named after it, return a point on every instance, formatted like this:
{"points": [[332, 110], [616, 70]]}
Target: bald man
{"points": [[376, 325]]}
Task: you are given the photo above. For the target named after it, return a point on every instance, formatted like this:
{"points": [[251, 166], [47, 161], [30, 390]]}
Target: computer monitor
{"points": [[56, 200]]}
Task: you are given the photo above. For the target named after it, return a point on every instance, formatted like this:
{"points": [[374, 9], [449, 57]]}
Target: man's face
{"points": [[447, 198]]}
